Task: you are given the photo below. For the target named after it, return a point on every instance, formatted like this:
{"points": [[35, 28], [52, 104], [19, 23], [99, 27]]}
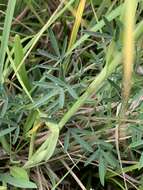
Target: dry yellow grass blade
{"points": [[73, 11], [128, 17], [128, 46], [78, 19]]}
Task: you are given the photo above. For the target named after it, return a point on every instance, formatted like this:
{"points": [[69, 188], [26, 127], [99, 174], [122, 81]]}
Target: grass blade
{"points": [[5, 35], [18, 54], [77, 23], [6, 131], [128, 51], [47, 149]]}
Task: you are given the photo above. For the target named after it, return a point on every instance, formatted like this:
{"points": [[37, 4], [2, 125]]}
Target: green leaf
{"points": [[83, 143], [105, 145], [61, 83], [97, 34], [110, 158], [19, 172], [102, 170], [55, 80], [108, 25], [16, 135], [17, 182], [6, 131], [48, 55], [66, 140], [4, 99], [115, 86], [64, 47], [71, 91], [61, 98], [141, 161], [18, 56], [93, 157], [18, 76], [46, 150], [54, 42], [82, 132], [136, 144], [30, 121], [44, 99]]}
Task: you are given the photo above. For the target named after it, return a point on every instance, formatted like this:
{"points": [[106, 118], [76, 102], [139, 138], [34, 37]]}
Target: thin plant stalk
{"points": [[128, 60], [128, 47]]}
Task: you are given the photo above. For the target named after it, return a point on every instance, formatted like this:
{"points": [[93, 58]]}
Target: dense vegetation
{"points": [[71, 91]]}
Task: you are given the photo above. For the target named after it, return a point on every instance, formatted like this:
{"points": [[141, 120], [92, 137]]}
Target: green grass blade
{"points": [[18, 76], [18, 56], [6, 131], [5, 35]]}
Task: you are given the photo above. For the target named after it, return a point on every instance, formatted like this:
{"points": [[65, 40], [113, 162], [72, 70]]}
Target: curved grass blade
{"points": [[6, 131], [47, 149]]}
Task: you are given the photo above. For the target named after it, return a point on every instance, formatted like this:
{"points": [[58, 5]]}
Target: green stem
{"points": [[5, 144]]}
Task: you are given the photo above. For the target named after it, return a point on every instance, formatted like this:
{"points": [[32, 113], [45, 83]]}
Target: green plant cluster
{"points": [[69, 119]]}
